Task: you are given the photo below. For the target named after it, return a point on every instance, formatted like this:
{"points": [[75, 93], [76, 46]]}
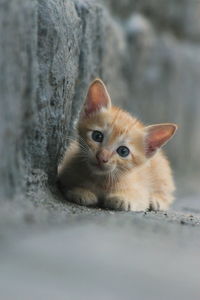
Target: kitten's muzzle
{"points": [[103, 156]]}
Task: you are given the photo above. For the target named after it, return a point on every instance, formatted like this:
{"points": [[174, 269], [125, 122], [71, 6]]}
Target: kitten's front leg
{"points": [[124, 203], [81, 196]]}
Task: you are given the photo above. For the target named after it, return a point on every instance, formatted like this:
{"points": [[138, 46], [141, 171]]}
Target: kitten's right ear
{"points": [[157, 136], [97, 98]]}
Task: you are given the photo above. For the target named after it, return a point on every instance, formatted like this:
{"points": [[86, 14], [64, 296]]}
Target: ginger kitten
{"points": [[116, 161]]}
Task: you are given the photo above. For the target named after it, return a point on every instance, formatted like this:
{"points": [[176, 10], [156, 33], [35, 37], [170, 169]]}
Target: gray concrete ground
{"points": [[103, 257], [97, 254]]}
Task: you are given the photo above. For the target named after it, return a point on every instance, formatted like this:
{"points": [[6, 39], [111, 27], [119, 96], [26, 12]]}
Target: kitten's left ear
{"points": [[156, 136], [97, 97]]}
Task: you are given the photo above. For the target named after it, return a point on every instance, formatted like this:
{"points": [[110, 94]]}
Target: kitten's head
{"points": [[112, 140]]}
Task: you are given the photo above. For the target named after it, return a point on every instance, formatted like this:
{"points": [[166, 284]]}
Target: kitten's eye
{"points": [[123, 151], [97, 136]]}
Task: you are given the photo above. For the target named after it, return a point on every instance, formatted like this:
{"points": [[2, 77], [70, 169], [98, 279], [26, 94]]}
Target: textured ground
{"points": [[112, 256], [97, 254]]}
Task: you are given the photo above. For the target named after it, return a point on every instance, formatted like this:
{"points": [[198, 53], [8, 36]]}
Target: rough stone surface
{"points": [[17, 89], [49, 53]]}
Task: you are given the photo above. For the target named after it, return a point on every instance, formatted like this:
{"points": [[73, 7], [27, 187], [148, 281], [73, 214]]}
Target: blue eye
{"points": [[123, 151], [97, 136]]}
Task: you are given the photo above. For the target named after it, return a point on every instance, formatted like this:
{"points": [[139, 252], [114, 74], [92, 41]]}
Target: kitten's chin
{"points": [[100, 170]]}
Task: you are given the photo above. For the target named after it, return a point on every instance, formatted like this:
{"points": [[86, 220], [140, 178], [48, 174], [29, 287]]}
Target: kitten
{"points": [[116, 161]]}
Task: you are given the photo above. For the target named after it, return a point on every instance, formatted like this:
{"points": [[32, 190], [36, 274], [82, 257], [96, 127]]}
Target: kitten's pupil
{"points": [[123, 151], [97, 136]]}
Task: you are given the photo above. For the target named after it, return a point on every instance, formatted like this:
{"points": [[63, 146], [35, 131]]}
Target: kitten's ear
{"points": [[97, 98], [156, 136]]}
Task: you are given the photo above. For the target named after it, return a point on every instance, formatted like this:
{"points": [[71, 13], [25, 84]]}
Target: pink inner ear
{"points": [[97, 97], [157, 136]]}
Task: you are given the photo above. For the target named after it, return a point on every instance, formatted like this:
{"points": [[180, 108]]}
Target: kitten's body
{"points": [[137, 182]]}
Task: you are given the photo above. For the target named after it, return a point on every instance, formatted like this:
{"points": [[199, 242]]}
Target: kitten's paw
{"points": [[158, 204], [82, 197], [117, 203]]}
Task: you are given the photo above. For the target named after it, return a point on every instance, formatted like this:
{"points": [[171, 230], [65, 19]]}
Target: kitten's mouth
{"points": [[100, 169]]}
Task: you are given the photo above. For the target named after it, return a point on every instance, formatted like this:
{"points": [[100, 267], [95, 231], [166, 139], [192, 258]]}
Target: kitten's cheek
{"points": [[131, 165]]}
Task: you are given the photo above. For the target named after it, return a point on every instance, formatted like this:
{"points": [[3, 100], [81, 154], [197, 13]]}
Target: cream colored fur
{"points": [[141, 181]]}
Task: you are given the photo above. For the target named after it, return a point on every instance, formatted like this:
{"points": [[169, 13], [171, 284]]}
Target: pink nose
{"points": [[102, 157]]}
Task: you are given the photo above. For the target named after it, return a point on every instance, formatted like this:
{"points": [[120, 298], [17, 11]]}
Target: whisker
{"points": [[80, 143]]}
